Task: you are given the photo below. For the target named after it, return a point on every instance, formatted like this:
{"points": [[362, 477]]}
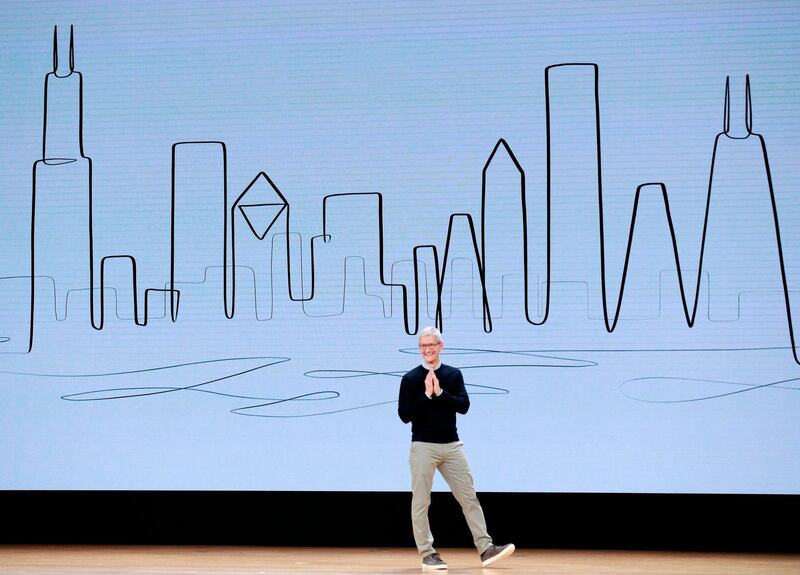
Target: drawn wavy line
{"points": [[414, 351], [526, 353], [323, 395], [749, 388], [162, 390], [353, 373], [142, 370], [344, 374], [239, 411]]}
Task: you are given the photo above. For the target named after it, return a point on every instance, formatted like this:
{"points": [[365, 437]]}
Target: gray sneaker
{"points": [[433, 562], [495, 553]]}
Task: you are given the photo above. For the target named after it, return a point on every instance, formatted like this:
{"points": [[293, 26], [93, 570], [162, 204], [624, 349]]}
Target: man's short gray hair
{"points": [[432, 332]]}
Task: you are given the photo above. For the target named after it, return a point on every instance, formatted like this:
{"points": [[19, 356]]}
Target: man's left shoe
{"points": [[495, 553]]}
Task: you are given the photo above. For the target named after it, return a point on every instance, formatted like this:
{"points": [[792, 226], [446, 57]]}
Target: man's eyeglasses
{"points": [[429, 345]]}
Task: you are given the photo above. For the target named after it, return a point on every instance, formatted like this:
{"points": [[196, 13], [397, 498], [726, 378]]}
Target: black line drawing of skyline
{"points": [[64, 158], [62, 148]]}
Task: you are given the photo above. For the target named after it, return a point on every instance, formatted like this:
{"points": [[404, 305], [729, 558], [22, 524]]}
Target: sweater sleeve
{"points": [[456, 396], [409, 402]]}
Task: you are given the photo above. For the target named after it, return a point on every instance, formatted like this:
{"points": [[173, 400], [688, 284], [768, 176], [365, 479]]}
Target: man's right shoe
{"points": [[433, 562]]}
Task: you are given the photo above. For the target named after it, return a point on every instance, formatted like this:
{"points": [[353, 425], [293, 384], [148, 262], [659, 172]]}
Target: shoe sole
{"points": [[434, 567], [504, 553]]}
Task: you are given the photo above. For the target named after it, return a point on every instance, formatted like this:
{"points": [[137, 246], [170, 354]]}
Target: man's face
{"points": [[430, 348]]}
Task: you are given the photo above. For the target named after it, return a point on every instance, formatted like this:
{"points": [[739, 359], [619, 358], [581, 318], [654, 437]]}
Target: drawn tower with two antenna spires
{"points": [[61, 219]]}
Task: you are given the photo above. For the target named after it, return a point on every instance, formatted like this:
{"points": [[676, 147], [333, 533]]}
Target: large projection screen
{"points": [[223, 224]]}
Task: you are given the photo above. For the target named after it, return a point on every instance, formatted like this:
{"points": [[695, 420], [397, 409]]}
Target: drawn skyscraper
{"points": [[739, 203], [575, 243], [253, 216], [504, 232], [199, 187], [62, 188]]}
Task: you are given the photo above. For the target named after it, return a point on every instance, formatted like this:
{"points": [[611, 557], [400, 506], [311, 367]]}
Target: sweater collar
{"points": [[426, 367]]}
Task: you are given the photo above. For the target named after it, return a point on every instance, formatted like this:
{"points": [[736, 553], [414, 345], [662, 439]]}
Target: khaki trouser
{"points": [[449, 459]]}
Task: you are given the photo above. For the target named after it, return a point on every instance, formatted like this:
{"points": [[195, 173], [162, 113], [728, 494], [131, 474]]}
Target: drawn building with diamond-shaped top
{"points": [[258, 257]]}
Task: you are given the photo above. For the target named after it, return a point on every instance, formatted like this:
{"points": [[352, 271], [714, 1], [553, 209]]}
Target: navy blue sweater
{"points": [[432, 419]]}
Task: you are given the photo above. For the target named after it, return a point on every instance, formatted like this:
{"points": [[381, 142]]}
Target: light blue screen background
{"points": [[402, 104]]}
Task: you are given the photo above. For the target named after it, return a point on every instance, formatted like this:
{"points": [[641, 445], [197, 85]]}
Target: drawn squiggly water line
{"points": [[141, 370], [353, 373], [158, 390], [748, 387], [526, 353], [116, 393], [145, 391], [240, 410], [488, 389]]}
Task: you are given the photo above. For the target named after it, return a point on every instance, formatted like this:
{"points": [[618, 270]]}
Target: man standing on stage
{"points": [[430, 396]]}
